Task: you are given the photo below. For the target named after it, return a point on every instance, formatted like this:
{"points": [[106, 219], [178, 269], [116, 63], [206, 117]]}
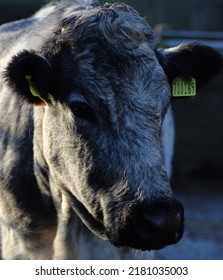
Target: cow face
{"points": [[107, 91]]}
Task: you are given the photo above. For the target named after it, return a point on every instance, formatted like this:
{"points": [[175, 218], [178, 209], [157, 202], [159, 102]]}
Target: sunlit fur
{"points": [[72, 181]]}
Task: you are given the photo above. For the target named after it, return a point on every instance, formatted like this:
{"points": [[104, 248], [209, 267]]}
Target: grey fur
{"points": [[68, 186]]}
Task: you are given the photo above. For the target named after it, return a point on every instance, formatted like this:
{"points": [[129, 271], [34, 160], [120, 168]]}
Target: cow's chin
{"points": [[131, 239], [139, 238]]}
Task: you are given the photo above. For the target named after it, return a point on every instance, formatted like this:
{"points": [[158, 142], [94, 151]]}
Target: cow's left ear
{"points": [[190, 60], [30, 76]]}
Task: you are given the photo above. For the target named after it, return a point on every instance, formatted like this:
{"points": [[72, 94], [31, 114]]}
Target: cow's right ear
{"points": [[30, 76]]}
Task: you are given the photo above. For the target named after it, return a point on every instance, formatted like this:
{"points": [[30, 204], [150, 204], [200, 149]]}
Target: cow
{"points": [[87, 133]]}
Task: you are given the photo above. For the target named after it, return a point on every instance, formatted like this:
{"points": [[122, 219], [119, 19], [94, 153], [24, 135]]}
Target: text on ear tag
{"points": [[184, 88]]}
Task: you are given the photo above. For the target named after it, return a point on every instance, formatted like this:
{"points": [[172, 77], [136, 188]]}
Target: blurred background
{"points": [[198, 161]]}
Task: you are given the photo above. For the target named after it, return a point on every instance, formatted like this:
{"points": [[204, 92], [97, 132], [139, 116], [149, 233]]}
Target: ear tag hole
{"points": [[183, 88], [34, 91]]}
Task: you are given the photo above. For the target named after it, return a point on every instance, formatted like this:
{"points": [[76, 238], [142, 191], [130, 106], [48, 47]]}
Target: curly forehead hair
{"points": [[117, 26]]}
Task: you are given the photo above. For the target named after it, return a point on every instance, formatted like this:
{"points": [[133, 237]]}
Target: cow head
{"points": [[107, 90]]}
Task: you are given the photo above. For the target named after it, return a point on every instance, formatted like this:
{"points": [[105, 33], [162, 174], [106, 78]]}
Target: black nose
{"points": [[161, 224], [153, 226]]}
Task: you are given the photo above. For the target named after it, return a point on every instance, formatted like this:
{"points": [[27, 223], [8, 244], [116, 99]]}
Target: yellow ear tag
{"points": [[34, 91], [183, 88]]}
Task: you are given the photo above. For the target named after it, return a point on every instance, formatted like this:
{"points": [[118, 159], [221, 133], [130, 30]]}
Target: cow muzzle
{"points": [[150, 226]]}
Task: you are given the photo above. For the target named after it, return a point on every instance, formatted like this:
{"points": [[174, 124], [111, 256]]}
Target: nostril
{"points": [[150, 226], [163, 219], [153, 219]]}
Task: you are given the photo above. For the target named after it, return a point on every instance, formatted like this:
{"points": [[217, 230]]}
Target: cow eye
{"points": [[82, 110]]}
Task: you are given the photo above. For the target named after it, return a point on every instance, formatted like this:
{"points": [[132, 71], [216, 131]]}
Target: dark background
{"points": [[198, 160], [190, 14]]}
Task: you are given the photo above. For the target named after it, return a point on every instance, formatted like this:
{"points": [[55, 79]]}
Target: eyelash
{"points": [[82, 110]]}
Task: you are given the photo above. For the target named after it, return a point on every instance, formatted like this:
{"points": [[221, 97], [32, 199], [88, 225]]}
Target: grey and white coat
{"points": [[87, 176]]}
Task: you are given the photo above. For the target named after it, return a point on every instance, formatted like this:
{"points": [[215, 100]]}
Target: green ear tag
{"points": [[182, 88], [34, 90]]}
